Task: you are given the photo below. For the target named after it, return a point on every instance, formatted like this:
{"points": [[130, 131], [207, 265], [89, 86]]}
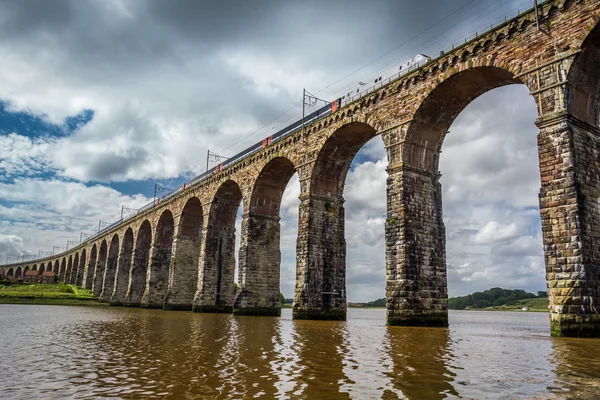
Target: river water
{"points": [[61, 352]]}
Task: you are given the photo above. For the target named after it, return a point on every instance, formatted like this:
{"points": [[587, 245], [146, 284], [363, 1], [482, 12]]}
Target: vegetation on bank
{"points": [[38, 293], [501, 299]]}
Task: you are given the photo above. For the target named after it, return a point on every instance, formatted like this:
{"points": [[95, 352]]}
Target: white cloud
{"points": [[493, 232]]}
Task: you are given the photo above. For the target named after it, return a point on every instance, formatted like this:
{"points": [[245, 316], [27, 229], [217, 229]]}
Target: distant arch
{"points": [[157, 280], [18, 272], [139, 265], [42, 269], [80, 268], [98, 280], [123, 269], [34, 268], [73, 279], [111, 269], [69, 270], [10, 272], [90, 268], [63, 270]]}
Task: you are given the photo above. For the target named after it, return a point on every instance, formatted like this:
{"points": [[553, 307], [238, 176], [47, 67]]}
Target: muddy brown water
{"points": [[62, 352]]}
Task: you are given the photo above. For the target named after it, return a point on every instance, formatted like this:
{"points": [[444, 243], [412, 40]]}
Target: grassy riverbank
{"points": [[46, 294]]}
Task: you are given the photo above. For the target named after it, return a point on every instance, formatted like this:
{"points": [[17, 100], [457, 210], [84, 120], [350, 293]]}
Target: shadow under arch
{"points": [[123, 267], [584, 77], [217, 264], [183, 273], [321, 247], [63, 270], [81, 268], [111, 269], [139, 266], [260, 254], [417, 287], [98, 280], [90, 268], [157, 278]]}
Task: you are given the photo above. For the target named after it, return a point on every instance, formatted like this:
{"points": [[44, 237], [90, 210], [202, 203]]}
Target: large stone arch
{"points": [[438, 110], [217, 263], [18, 272], [123, 269], [110, 270], [321, 247], [183, 274], [260, 255], [56, 267], [25, 269], [34, 268], [42, 268], [416, 284], [139, 265], [157, 279], [10, 272]]}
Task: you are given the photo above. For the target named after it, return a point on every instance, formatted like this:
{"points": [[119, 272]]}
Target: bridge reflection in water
{"points": [[120, 352]]}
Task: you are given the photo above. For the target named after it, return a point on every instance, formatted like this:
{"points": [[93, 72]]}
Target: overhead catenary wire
{"points": [[428, 42]]}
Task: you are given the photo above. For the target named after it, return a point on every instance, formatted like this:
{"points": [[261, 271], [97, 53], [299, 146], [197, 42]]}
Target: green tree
{"points": [[281, 298]]}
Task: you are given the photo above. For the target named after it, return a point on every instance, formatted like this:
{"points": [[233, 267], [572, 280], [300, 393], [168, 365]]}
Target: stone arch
{"points": [[415, 231], [334, 158], [63, 270], [10, 272], [260, 255], [183, 274], [110, 270], [18, 272], [123, 269], [34, 268], [69, 269], [98, 280], [139, 265], [217, 268], [439, 109], [75, 268], [321, 246], [25, 269], [157, 279], [42, 268], [90, 268], [81, 266], [584, 76], [56, 268]]}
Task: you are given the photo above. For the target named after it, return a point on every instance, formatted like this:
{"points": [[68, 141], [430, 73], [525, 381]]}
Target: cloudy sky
{"points": [[100, 99]]}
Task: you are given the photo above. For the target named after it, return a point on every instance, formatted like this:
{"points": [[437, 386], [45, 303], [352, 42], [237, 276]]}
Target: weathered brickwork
{"points": [[189, 261], [123, 267], [110, 271]]}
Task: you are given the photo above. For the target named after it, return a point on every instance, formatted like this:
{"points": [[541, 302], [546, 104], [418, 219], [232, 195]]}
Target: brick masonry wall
{"points": [[259, 266]]}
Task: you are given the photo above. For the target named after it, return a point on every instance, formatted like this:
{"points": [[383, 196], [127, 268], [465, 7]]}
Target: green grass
{"points": [[45, 294], [535, 304]]}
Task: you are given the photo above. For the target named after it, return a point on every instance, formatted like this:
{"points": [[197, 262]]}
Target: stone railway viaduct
{"points": [[179, 254]]}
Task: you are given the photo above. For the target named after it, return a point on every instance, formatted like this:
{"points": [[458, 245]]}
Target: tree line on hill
{"points": [[492, 298]]}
